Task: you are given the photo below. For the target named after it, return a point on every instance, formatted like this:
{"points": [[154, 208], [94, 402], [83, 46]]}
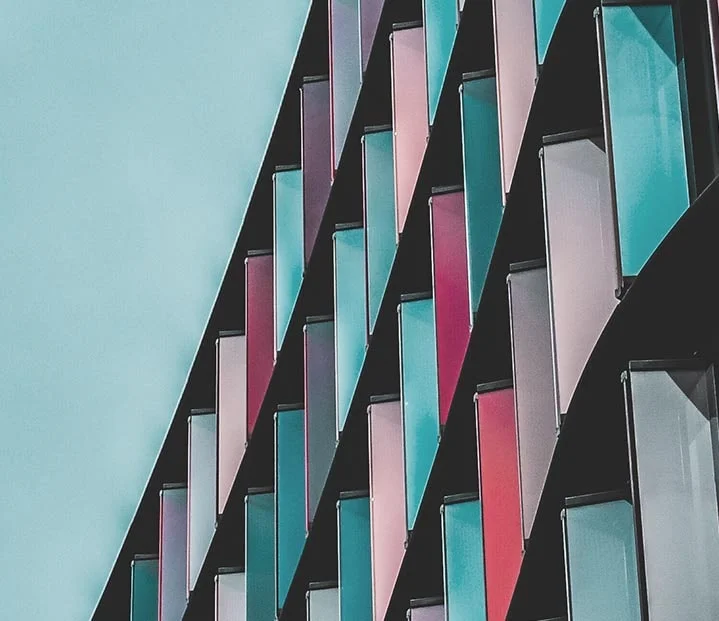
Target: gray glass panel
{"points": [[435, 612], [323, 604], [533, 383], [230, 597], [674, 420], [581, 255]]}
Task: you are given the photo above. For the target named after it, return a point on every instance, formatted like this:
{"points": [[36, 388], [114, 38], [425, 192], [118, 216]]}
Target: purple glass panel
{"points": [[451, 292], [429, 609], [259, 328], [320, 420], [370, 13], [173, 552], [316, 155], [516, 63], [388, 520], [231, 407], [409, 114]]}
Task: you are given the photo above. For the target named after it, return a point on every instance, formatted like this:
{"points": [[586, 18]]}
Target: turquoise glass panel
{"points": [[288, 247], [482, 179], [440, 29], [420, 398], [354, 559], [646, 124], [350, 320], [144, 588], [260, 555], [601, 562], [380, 223], [289, 497], [463, 555], [546, 16]]}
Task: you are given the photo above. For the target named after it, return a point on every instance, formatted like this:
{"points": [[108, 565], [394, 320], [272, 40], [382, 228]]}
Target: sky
{"points": [[131, 132]]}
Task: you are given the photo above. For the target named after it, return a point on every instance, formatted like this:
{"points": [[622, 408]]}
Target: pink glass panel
{"points": [[451, 293], [370, 13], [499, 493], [387, 513], [516, 63], [316, 154], [260, 332], [409, 114], [231, 407]]}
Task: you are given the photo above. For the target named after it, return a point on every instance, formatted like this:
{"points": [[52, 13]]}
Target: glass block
{"points": [[672, 423], [387, 492], [379, 215], [289, 496], [644, 125], [260, 554], [173, 551], [420, 400], [288, 247], [201, 490], [354, 556], [463, 558], [144, 585], [482, 178], [230, 594], [440, 30]]}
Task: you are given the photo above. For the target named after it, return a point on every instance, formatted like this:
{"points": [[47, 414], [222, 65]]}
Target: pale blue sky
{"points": [[130, 136]]}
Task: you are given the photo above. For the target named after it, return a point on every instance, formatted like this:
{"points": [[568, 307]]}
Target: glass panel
{"points": [[345, 72], [381, 237], [231, 405], [643, 92], [259, 330], [289, 497], [516, 62], [600, 552], [388, 517], [201, 491], [426, 612], [581, 255], [289, 248], [464, 593], [355, 562], [320, 419], [260, 555], [316, 157], [409, 115], [350, 320], [143, 588], [451, 295], [482, 180], [173, 552], [499, 492], [420, 415], [440, 29], [546, 16], [674, 419], [534, 384], [323, 604], [370, 12], [230, 596]]}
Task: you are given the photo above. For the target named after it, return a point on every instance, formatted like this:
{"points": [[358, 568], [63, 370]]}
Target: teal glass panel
{"points": [[546, 16], [440, 29], [260, 555], [482, 179], [379, 217], [646, 126], [350, 319], [289, 497], [601, 562], [420, 398], [144, 579], [354, 558], [463, 555], [288, 247]]}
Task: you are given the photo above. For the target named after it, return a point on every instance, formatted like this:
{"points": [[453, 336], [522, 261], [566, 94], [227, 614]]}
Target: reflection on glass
{"points": [[464, 586], [230, 594], [143, 587], [173, 551], [646, 128], [440, 29], [354, 558], [600, 551], [260, 554], [420, 399], [288, 247], [672, 417]]}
